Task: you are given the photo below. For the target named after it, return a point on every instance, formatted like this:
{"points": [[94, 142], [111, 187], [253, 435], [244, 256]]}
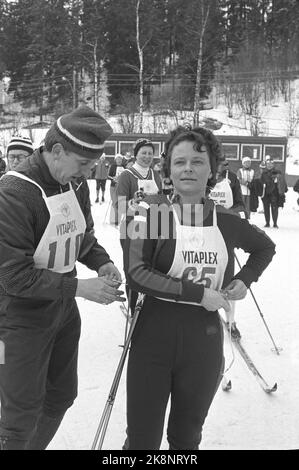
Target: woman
{"points": [[246, 176], [187, 275], [133, 185], [274, 193], [139, 177]]}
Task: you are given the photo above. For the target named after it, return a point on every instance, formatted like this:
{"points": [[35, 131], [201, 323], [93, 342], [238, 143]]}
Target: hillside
{"points": [[275, 120]]}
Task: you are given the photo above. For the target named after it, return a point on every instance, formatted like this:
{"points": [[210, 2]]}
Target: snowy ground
{"points": [[245, 417]]}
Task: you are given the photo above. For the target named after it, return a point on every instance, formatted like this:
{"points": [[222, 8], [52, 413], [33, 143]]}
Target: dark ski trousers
{"points": [[38, 381], [176, 352], [270, 201]]}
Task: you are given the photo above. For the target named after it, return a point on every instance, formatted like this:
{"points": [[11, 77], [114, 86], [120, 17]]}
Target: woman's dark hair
{"points": [[200, 136]]}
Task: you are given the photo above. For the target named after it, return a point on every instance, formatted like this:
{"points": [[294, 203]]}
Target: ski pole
{"points": [[102, 428], [276, 349]]}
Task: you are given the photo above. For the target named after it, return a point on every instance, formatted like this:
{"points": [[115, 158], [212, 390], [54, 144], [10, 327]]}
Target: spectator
{"points": [[18, 150], [245, 176], [101, 175], [227, 191], [275, 188]]}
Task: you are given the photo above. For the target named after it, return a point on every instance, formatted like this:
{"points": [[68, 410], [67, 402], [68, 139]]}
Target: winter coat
{"points": [[275, 186], [101, 170], [256, 190]]}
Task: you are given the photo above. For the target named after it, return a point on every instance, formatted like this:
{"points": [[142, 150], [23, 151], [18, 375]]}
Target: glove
{"points": [[137, 198]]}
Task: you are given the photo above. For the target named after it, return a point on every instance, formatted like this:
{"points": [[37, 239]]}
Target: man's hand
{"points": [[236, 290], [100, 289], [110, 271], [213, 300]]}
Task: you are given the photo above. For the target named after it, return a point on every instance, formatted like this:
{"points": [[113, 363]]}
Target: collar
{"points": [[141, 170], [36, 168]]}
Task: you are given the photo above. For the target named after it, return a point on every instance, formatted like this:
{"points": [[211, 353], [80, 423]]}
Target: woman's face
{"points": [[189, 168], [145, 156]]}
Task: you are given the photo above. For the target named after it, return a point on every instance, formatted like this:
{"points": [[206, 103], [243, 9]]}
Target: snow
{"points": [[244, 418]]}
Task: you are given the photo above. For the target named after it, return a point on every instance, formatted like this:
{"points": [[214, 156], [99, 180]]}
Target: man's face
{"points": [[69, 166], [15, 157]]}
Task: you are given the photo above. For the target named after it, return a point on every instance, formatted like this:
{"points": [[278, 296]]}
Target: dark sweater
{"points": [[149, 257], [23, 220]]}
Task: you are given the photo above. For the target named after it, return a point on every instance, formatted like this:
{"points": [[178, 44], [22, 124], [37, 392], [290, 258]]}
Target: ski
{"points": [[250, 364]]}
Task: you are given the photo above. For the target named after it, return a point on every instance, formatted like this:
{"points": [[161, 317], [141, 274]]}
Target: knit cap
{"points": [[20, 143], [142, 143], [85, 131]]}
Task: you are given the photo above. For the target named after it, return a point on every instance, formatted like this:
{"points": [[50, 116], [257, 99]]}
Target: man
{"points": [[45, 227], [2, 164], [227, 191], [275, 188], [101, 175], [18, 149], [245, 176]]}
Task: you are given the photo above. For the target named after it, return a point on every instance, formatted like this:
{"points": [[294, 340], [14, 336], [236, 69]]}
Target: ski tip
{"points": [[226, 387], [273, 389]]}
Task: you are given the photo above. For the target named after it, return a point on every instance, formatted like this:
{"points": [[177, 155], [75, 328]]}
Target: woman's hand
{"points": [[213, 300], [236, 290], [100, 289]]}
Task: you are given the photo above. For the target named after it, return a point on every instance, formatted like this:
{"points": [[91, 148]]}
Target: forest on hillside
{"points": [[132, 56]]}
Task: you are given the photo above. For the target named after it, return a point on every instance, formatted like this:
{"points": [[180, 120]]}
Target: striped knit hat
{"points": [[20, 143], [84, 131]]}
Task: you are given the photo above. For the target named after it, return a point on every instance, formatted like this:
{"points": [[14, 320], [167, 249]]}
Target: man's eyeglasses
{"points": [[20, 158]]}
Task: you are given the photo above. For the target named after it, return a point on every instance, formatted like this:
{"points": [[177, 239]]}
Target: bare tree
{"points": [[204, 14], [292, 118], [140, 47], [127, 109]]}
